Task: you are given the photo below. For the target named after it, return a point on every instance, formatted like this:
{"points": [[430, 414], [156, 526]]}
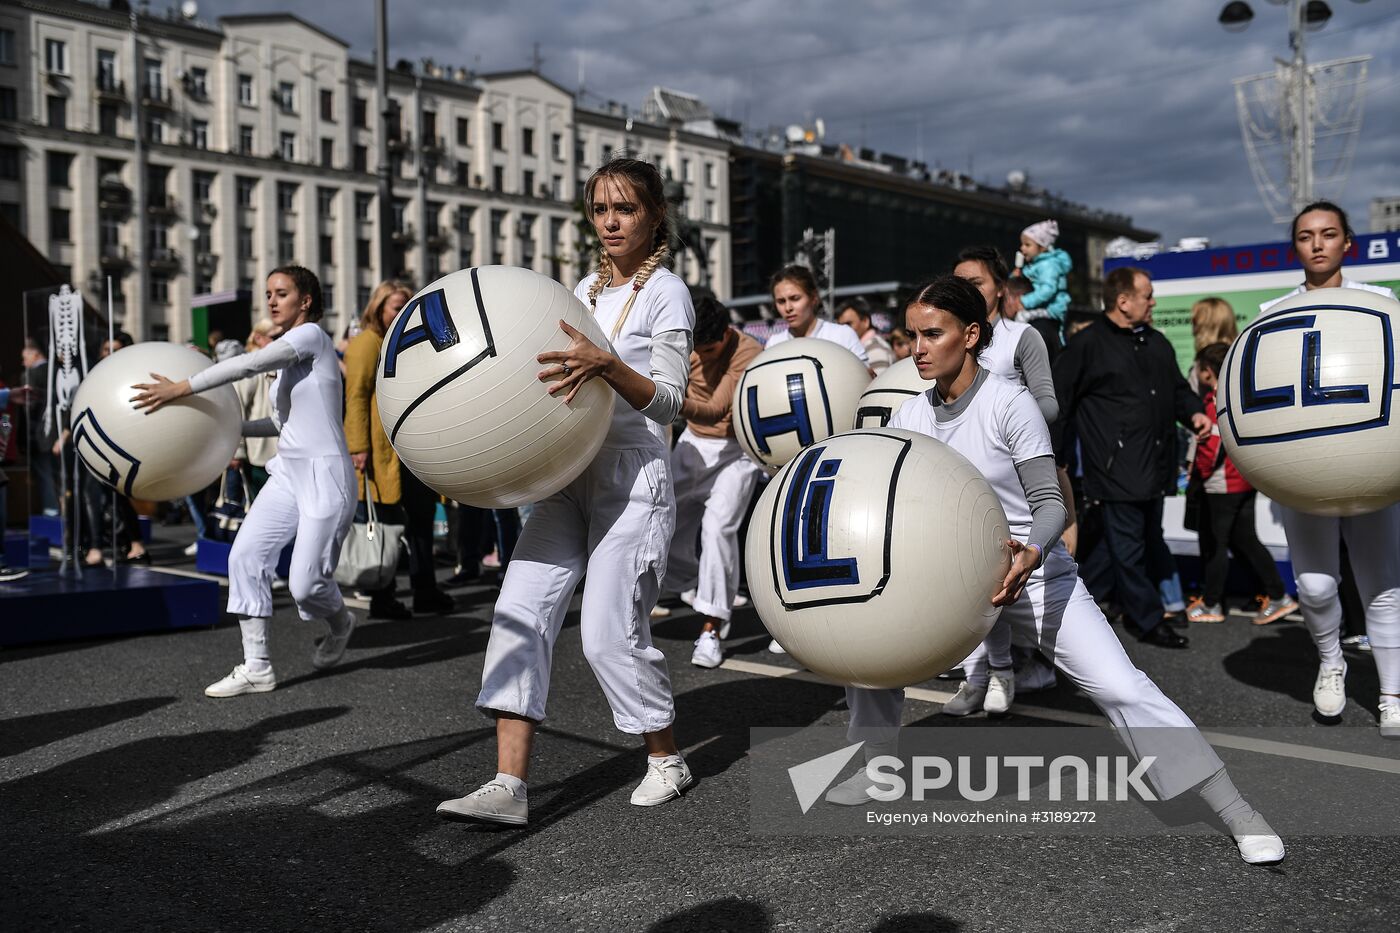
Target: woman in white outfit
{"points": [[996, 425], [310, 495], [1321, 238], [614, 522]]}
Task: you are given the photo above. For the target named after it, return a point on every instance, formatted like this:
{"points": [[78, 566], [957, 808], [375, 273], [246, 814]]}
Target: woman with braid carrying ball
{"points": [[614, 521]]}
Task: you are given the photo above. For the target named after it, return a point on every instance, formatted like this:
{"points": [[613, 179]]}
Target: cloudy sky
{"points": [[1126, 105]]}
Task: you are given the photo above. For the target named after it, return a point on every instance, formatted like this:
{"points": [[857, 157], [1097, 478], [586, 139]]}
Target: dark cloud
{"points": [[1123, 105]]}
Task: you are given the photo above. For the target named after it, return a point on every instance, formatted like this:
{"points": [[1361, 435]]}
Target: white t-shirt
{"points": [[999, 358], [838, 334], [1001, 427], [1346, 283], [663, 304]]}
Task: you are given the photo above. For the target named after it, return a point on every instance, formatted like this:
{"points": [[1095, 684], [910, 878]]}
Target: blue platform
{"points": [[22, 550], [97, 602], [212, 557], [51, 527]]}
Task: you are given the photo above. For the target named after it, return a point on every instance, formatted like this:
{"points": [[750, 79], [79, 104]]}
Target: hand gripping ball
{"points": [[168, 454], [459, 394], [873, 557], [892, 388], [794, 394], [1306, 402]]}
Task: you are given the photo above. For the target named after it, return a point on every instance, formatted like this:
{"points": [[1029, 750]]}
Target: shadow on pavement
{"points": [[25, 732], [725, 914], [1285, 661]]}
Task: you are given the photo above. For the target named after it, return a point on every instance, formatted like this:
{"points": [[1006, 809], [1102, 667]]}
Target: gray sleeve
{"points": [[670, 370], [277, 355], [263, 427], [1048, 515], [1033, 363]]}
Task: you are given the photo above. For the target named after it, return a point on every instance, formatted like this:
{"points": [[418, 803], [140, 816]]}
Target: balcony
{"points": [[434, 147], [115, 259], [208, 211], [164, 260], [439, 241], [163, 206], [110, 89], [113, 197], [399, 141], [156, 96], [403, 235], [207, 262]]}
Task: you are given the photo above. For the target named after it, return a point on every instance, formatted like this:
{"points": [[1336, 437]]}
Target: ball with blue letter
{"points": [[873, 557], [1306, 402], [891, 389], [459, 394], [794, 394]]}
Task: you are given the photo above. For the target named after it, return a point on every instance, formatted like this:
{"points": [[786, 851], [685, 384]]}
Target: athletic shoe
{"points": [[192, 550], [331, 649], [740, 601], [775, 648], [1270, 611], [724, 630], [1390, 719], [664, 781], [492, 802], [240, 681], [660, 612], [688, 597], [708, 652], [968, 699], [1257, 841], [853, 791], [492, 561], [1359, 642], [1001, 690], [1198, 611], [1035, 675], [1330, 690], [8, 574]]}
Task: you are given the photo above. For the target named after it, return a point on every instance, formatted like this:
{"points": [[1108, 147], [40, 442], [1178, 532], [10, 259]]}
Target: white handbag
{"points": [[370, 556]]}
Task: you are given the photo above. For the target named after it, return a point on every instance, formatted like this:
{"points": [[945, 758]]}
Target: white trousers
{"points": [[1373, 547], [1057, 615], [714, 481], [313, 501], [614, 522]]}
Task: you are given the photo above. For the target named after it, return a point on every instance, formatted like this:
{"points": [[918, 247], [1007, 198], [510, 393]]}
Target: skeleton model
{"points": [[67, 354]]}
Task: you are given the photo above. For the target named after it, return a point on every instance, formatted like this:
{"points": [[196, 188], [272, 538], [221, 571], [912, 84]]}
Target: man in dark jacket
{"points": [[1120, 387]]}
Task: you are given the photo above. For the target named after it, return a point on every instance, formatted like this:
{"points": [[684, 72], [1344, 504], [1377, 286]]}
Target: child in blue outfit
{"points": [[1047, 269]]}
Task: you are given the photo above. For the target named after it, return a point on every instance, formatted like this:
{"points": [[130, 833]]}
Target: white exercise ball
{"points": [[1306, 402], [794, 394], [892, 388], [874, 555], [459, 393], [167, 454]]}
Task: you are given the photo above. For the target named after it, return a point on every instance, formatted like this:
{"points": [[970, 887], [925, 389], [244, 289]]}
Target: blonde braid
{"points": [[644, 272], [604, 276]]}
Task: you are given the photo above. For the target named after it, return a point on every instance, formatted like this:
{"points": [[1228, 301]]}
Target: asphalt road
{"points": [[132, 802]]}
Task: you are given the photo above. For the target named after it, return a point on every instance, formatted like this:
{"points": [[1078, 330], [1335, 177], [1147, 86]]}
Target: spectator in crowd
{"points": [[855, 314], [1047, 270], [255, 452], [1119, 386], [43, 463], [20, 394], [96, 496], [1212, 322], [402, 498], [1227, 515], [901, 344], [1017, 287]]}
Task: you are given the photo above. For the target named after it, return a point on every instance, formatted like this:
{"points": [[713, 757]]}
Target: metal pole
{"points": [[421, 195], [111, 338], [1301, 106], [381, 134], [136, 302]]}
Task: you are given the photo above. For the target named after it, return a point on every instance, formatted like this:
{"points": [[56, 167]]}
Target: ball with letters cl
{"points": [[793, 394], [459, 395], [873, 557], [888, 392], [1306, 402]]}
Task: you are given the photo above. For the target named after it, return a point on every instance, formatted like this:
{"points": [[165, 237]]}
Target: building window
{"points": [[327, 245], [286, 247], [711, 175], [429, 126], [9, 163], [364, 203], [464, 219], [247, 192], [59, 227], [106, 70], [109, 234], [245, 243], [55, 56], [245, 139], [9, 104], [529, 183], [328, 105], [527, 141], [287, 146], [361, 161], [464, 174], [361, 113], [155, 128], [60, 170], [362, 295], [160, 290], [362, 257], [607, 154], [7, 46], [325, 203], [687, 170], [286, 96], [498, 178], [327, 152], [58, 112], [463, 132], [710, 213], [556, 146], [155, 79], [286, 196], [107, 115], [198, 85], [579, 154], [328, 293], [245, 90], [204, 188], [556, 187], [498, 136], [199, 134]]}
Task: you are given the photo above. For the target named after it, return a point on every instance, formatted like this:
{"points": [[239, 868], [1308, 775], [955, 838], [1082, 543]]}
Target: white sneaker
{"points": [[708, 651], [740, 601], [492, 802], [1001, 690], [968, 699], [1257, 841], [660, 612], [1390, 719], [1035, 675], [664, 781], [724, 630], [853, 791], [331, 649], [775, 648], [192, 550], [688, 597], [240, 681], [1330, 690]]}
